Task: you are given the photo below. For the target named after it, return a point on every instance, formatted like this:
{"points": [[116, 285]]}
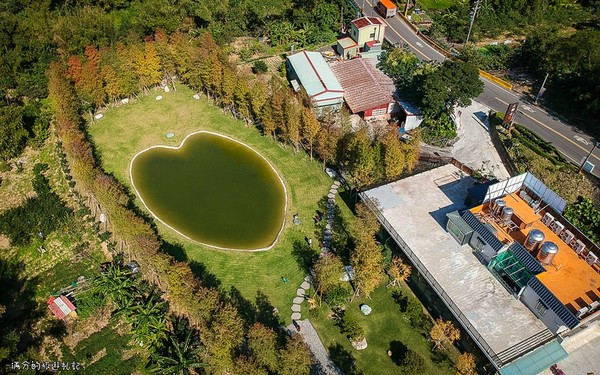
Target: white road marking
{"points": [[419, 44], [581, 139], [527, 108]]}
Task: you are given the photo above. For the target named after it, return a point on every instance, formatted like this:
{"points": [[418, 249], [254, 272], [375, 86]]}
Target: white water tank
{"points": [[507, 213], [534, 239], [547, 252]]}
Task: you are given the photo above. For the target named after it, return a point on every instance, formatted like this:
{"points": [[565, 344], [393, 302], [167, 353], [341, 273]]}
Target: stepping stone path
{"points": [[305, 286], [323, 365]]}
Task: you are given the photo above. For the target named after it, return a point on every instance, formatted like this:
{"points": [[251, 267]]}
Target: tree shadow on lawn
{"points": [[206, 278], [175, 250], [343, 359], [398, 352], [304, 254], [260, 311], [17, 295]]}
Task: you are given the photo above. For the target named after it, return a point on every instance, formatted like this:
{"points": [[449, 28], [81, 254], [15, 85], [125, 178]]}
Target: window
{"points": [[372, 36], [541, 307], [479, 244]]}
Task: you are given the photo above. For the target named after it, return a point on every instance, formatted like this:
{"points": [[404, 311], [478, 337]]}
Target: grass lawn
{"points": [[126, 130], [104, 352], [385, 328], [435, 4]]}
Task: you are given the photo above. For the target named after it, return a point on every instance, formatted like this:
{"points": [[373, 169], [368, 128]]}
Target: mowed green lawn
{"points": [[435, 4], [386, 328], [126, 130]]}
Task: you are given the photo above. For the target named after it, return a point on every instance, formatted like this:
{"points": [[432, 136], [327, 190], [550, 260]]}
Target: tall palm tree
{"points": [[148, 321], [180, 355], [117, 283]]}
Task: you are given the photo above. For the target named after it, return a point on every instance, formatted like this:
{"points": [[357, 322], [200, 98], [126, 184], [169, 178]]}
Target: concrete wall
{"points": [[549, 318], [364, 35]]}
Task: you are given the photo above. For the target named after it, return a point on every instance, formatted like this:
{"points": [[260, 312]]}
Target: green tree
{"points": [[401, 65], [148, 321], [394, 156], [117, 283], [262, 345], [295, 357], [310, 129], [13, 134], [585, 216], [180, 352], [360, 157], [412, 363], [328, 270], [453, 83], [351, 328]]}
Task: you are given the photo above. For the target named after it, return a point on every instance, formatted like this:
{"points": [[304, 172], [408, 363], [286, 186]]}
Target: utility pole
{"points": [[542, 89], [406, 8], [473, 14], [596, 144]]}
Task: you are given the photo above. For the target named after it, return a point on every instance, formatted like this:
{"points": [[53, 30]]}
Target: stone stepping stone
{"points": [[305, 285], [296, 316], [296, 307], [308, 278], [331, 195], [337, 183], [332, 190], [298, 300], [328, 227], [300, 292]]}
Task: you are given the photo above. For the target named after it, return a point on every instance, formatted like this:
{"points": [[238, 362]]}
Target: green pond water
{"points": [[212, 190]]}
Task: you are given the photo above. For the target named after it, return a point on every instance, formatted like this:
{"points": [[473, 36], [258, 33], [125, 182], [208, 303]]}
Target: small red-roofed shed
{"points": [[62, 307]]}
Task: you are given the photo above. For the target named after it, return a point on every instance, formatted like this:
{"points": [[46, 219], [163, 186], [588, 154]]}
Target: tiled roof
{"points": [[482, 230], [365, 86], [526, 258], [367, 21], [553, 303]]}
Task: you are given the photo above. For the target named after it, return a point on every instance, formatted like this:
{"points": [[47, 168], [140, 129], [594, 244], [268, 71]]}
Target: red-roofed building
{"points": [[367, 90], [363, 30], [62, 307]]}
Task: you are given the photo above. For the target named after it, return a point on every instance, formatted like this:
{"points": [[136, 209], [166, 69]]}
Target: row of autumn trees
{"points": [[106, 75], [220, 326]]}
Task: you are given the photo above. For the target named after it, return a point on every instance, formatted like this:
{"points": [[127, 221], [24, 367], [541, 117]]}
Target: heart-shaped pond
{"points": [[212, 189]]}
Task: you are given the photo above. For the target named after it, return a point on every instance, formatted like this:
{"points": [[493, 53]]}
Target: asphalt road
{"points": [[570, 141]]}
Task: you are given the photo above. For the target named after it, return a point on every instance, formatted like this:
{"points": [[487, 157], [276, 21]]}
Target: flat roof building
{"points": [[415, 211]]}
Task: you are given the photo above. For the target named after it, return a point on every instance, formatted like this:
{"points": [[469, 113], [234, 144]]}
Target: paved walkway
{"points": [[305, 286], [474, 145], [323, 364]]}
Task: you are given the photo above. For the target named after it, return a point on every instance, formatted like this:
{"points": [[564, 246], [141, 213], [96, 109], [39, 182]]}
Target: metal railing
{"points": [[497, 359]]}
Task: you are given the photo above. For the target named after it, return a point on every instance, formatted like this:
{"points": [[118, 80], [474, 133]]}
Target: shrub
{"points": [[413, 363], [337, 296], [41, 214], [260, 67], [351, 328]]}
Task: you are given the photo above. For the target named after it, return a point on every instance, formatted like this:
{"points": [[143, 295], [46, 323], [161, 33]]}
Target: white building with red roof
{"points": [[365, 34]]}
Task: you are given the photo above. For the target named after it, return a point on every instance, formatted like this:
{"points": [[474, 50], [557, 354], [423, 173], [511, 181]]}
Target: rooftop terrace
{"points": [[569, 277], [414, 211]]}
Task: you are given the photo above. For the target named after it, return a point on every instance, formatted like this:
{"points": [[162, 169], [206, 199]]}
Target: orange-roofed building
{"points": [[548, 263]]}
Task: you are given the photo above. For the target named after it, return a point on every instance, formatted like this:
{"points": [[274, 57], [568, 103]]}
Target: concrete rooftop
{"points": [[416, 208]]}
